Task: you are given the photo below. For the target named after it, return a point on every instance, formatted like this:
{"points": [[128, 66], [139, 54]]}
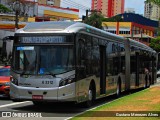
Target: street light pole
{"points": [[16, 20], [17, 9]]}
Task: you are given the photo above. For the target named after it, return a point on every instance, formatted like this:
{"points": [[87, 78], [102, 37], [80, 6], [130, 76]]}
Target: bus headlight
{"points": [[65, 82], [14, 80]]}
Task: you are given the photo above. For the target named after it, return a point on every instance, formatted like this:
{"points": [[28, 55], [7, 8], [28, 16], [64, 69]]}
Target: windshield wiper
{"points": [[16, 71], [50, 73]]}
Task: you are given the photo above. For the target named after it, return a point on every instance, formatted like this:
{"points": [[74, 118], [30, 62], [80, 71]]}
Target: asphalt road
{"points": [[56, 111]]}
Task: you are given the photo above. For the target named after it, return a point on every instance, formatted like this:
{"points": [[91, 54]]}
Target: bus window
{"points": [[81, 68], [112, 59], [56, 59]]}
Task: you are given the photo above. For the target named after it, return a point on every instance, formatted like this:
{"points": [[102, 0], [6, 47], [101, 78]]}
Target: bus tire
{"points": [[149, 82], [118, 91], [91, 96], [145, 81]]}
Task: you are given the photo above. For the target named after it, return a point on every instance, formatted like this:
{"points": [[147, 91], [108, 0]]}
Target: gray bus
{"points": [[74, 62]]}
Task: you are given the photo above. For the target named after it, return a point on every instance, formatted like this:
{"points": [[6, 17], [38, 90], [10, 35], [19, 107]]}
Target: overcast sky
{"points": [[138, 5]]}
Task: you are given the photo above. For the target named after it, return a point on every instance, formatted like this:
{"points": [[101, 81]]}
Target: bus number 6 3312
{"points": [[47, 82]]}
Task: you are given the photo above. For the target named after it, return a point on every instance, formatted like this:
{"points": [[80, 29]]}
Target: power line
{"points": [[76, 5]]}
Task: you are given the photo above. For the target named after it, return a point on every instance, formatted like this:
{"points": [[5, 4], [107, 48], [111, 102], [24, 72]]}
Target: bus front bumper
{"points": [[64, 93]]}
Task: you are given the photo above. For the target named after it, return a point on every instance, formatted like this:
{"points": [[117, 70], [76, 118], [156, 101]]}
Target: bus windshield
{"points": [[52, 60]]}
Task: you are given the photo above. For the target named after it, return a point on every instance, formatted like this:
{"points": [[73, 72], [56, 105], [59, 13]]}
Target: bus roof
{"points": [[73, 27], [141, 45], [65, 27], [47, 26], [56, 26]]}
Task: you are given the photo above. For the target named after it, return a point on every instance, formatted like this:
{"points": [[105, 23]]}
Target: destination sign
{"points": [[25, 48], [44, 39]]}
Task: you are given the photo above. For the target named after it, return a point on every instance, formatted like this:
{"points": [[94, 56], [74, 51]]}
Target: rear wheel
{"points": [[91, 95], [148, 82], [118, 91], [145, 82]]}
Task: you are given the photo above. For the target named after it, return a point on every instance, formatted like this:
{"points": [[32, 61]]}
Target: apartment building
{"points": [[129, 10], [151, 11], [108, 8]]}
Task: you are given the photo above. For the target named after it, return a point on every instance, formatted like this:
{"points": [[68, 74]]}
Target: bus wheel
{"points": [[118, 91], [90, 100], [145, 82], [149, 82]]}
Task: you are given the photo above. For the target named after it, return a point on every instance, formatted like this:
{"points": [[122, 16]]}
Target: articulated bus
{"points": [[74, 62]]}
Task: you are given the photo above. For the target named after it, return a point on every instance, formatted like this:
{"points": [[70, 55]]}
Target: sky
{"points": [[138, 5]]}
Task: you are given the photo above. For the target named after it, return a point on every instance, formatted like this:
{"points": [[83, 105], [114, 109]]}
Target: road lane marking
{"points": [[17, 103]]}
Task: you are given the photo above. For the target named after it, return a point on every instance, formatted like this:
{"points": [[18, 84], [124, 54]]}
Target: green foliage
{"points": [[4, 9], [113, 19], [95, 19], [158, 33], [157, 2], [155, 44]]}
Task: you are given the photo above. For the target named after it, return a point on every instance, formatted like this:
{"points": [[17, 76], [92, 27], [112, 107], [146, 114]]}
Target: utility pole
{"points": [[84, 17], [17, 9], [87, 13]]}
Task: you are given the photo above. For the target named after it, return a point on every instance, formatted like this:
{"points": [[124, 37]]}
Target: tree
{"points": [[4, 9], [116, 18], [155, 44], [157, 2], [24, 6], [95, 19]]}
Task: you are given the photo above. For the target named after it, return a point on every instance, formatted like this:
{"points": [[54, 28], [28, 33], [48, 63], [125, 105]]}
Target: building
{"points": [[45, 2], [45, 10], [36, 10], [50, 2], [129, 10], [133, 26], [151, 11], [108, 8]]}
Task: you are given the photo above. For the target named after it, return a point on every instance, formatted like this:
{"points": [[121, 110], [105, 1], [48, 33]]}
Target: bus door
{"points": [[102, 69]]}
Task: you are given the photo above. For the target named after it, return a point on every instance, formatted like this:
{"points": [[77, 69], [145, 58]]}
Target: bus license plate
{"points": [[37, 97]]}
